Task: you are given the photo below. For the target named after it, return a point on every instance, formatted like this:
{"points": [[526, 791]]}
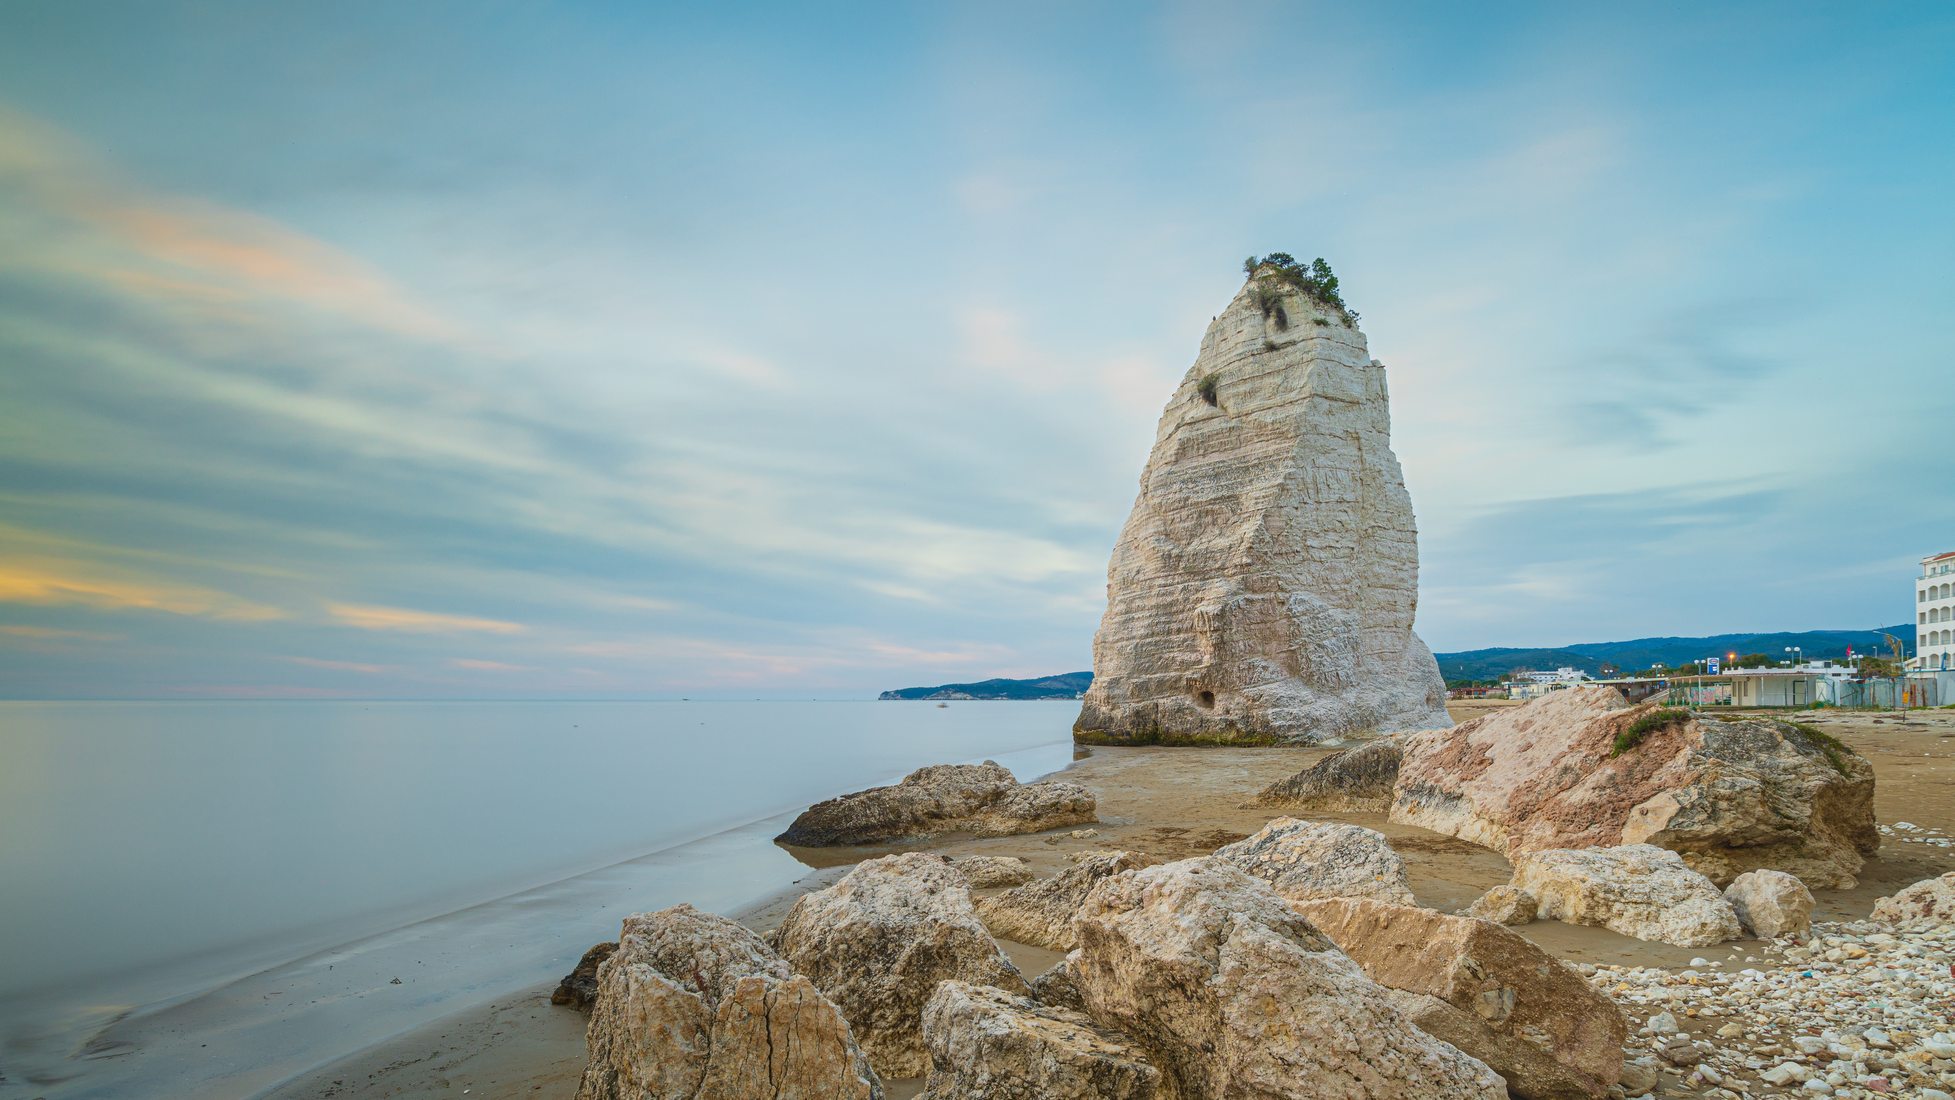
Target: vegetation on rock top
{"points": [[1314, 280]]}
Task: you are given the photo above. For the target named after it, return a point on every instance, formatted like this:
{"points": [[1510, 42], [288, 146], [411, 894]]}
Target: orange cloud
{"points": [[183, 250], [407, 620], [475, 665], [31, 583]]}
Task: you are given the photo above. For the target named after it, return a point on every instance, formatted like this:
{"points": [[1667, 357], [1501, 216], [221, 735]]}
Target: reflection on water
{"points": [[256, 874]]}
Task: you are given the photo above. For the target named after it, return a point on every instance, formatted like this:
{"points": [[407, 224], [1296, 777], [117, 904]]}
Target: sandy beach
{"points": [[1168, 804]]}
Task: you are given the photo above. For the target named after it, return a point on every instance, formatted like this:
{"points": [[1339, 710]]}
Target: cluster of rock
{"points": [[1196, 980], [980, 799], [1728, 796], [1858, 1010], [1646, 892], [1265, 584]]}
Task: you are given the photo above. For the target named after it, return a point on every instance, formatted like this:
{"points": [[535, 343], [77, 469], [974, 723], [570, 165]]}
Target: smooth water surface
{"points": [[178, 870]]}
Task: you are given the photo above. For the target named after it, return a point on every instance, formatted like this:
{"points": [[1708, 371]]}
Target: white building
{"points": [[1934, 618], [1563, 675]]}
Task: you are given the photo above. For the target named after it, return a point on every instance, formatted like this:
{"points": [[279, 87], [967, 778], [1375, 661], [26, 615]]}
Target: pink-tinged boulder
{"points": [[695, 1007], [878, 942], [1728, 796], [1487, 991], [1930, 901], [980, 799], [1234, 996]]}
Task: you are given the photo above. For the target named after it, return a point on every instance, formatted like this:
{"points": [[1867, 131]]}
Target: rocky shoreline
{"points": [[1163, 805]]}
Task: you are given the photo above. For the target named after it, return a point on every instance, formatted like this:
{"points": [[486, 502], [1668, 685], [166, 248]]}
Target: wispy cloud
{"points": [[340, 666], [410, 621], [55, 585]]}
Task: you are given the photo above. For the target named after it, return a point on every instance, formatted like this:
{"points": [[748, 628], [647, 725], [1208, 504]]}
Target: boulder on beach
{"points": [[695, 1007], [1306, 860], [878, 942], [987, 1044], [1264, 587], [983, 872], [1505, 904], [1487, 991], [579, 987], [1770, 903], [1930, 900], [1233, 995], [1581, 768], [981, 799], [1638, 890], [1353, 780], [1040, 913]]}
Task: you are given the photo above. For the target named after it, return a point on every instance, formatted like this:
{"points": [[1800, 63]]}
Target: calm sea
{"points": [[208, 898]]}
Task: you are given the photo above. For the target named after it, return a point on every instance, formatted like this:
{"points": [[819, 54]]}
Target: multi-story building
{"points": [[1934, 613]]}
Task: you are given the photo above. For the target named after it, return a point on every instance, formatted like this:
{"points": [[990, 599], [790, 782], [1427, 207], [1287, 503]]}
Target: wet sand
{"points": [[1172, 803]]}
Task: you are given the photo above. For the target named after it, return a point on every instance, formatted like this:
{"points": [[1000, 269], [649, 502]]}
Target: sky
{"points": [[638, 350]]}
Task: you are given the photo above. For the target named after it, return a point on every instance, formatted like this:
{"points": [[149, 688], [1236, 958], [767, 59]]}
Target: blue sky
{"points": [[641, 350]]}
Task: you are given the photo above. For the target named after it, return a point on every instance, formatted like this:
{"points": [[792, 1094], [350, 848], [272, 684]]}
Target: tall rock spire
{"points": [[1264, 587]]}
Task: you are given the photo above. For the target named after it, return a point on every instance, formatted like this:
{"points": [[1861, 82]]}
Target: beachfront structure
{"points": [[1562, 675], [1934, 613]]}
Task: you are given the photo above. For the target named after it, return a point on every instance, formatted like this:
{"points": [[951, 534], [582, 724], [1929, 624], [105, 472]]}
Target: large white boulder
{"points": [[1234, 996], [1306, 860], [878, 942], [1487, 991], [986, 1044], [980, 799], [695, 1007], [1638, 890], [1040, 912]]}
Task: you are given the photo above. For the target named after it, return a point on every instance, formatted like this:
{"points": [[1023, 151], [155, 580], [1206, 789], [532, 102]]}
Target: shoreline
{"points": [[264, 1028], [1167, 803]]}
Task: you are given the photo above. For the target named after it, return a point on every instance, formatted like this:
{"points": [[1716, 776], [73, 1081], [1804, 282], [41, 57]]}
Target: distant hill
{"points": [[1491, 664], [1066, 685]]}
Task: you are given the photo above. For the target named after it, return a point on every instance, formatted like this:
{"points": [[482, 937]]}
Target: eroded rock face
{"points": [[986, 1044], [1487, 991], [1931, 899], [1728, 796], [1770, 903], [878, 942], [1638, 890], [1509, 905], [1264, 586], [982, 799], [1350, 780], [1234, 996], [1306, 860], [1041, 913], [695, 1007], [988, 871]]}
